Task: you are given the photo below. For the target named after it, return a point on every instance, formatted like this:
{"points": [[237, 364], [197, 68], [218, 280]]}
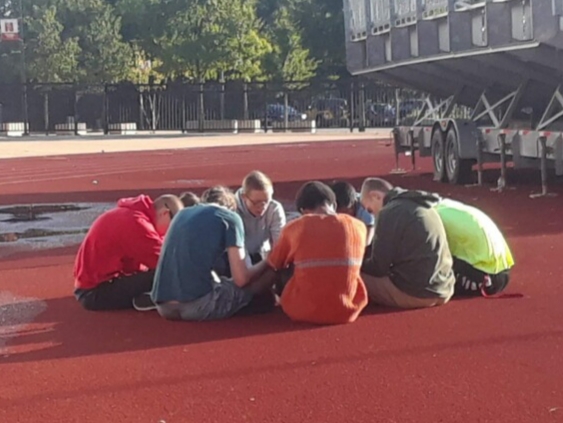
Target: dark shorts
{"points": [[116, 294], [470, 281]]}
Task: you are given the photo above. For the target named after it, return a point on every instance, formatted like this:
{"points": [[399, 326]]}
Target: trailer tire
{"points": [[438, 156], [458, 170]]}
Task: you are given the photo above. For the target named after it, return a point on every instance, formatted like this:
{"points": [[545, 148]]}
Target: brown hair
{"points": [[256, 181], [189, 199], [220, 195]]}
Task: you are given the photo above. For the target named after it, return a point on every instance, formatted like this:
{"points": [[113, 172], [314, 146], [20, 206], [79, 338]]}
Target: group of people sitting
{"points": [[235, 253]]}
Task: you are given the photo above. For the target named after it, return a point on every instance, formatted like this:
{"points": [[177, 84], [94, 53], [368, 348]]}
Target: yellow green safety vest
{"points": [[474, 238]]}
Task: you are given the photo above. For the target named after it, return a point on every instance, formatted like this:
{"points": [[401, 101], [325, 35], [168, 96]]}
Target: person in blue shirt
{"points": [[186, 287], [348, 202]]}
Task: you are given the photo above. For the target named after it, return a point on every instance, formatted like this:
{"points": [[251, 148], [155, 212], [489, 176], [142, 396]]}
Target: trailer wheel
{"points": [[438, 156], [458, 170]]}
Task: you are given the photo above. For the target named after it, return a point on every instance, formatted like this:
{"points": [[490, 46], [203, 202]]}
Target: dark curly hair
{"points": [[345, 193], [314, 194]]}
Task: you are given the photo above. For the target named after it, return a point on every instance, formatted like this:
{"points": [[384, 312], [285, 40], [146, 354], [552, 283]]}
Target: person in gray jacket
{"points": [[410, 264], [262, 216]]}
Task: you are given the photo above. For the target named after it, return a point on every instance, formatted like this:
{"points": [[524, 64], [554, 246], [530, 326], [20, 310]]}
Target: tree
{"points": [[50, 58], [246, 46], [104, 57], [289, 60], [106, 41], [321, 24], [210, 36]]}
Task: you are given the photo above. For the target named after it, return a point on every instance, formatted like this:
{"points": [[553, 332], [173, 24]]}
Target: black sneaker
{"points": [[144, 302]]}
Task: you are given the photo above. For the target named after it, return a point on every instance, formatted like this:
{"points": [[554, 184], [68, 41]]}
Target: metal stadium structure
{"points": [[502, 58]]}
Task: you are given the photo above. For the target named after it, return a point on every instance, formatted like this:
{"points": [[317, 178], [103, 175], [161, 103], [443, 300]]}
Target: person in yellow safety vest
{"points": [[482, 257]]}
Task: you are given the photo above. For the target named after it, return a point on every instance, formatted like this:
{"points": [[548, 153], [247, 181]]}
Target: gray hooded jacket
{"points": [[264, 231], [410, 246]]}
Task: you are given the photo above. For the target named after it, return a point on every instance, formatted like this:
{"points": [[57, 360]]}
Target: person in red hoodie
{"points": [[116, 261]]}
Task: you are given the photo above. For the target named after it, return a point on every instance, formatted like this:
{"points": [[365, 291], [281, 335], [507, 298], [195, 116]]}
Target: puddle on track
{"points": [[29, 213], [46, 226]]}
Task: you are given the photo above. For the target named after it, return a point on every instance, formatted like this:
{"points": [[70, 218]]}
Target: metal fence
{"points": [[209, 107]]}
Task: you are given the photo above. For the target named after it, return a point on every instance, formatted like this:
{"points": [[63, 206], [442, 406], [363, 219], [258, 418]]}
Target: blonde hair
{"points": [[256, 181], [376, 184]]}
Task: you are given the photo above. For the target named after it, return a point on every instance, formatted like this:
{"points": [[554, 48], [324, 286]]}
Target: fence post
{"points": [[46, 110], [25, 110], [245, 100], [222, 97], [397, 106], [184, 115], [265, 97], [106, 110], [201, 108], [362, 111], [285, 110], [352, 105], [75, 111]]}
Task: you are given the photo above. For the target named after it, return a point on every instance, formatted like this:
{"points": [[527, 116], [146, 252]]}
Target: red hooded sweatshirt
{"points": [[120, 242]]}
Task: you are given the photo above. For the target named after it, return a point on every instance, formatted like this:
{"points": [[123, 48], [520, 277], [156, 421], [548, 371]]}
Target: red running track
{"points": [[482, 360]]}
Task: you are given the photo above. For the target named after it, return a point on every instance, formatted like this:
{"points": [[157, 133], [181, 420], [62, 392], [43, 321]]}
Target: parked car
{"points": [[276, 113], [328, 112], [380, 114]]}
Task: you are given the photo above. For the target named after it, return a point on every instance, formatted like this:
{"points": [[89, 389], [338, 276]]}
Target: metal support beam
{"points": [[479, 161], [513, 105], [548, 116], [431, 110], [412, 149], [484, 107], [501, 182], [453, 102], [397, 170], [543, 166]]}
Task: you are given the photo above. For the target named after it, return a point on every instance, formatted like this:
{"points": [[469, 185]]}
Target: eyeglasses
{"points": [[258, 202]]}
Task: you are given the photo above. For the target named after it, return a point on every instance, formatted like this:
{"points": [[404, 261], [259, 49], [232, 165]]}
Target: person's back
{"points": [[195, 241], [327, 255], [115, 264], [482, 258], [410, 264], [105, 252], [421, 262], [474, 238], [326, 252]]}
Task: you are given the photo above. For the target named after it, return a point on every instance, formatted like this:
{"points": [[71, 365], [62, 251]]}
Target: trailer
{"points": [[502, 59]]}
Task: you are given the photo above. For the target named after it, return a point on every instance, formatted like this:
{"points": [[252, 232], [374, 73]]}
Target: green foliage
{"points": [[98, 41], [322, 27], [50, 58], [289, 59]]}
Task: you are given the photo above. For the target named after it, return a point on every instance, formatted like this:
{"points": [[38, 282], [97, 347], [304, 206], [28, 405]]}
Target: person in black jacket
{"points": [[410, 265]]}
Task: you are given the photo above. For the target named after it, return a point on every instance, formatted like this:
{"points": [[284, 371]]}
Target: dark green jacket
{"points": [[410, 246]]}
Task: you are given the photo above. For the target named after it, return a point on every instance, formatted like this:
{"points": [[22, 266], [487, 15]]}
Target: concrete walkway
{"points": [[37, 146]]}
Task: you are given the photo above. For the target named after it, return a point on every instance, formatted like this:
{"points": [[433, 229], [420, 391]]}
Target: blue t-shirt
{"points": [[364, 215], [195, 240]]}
